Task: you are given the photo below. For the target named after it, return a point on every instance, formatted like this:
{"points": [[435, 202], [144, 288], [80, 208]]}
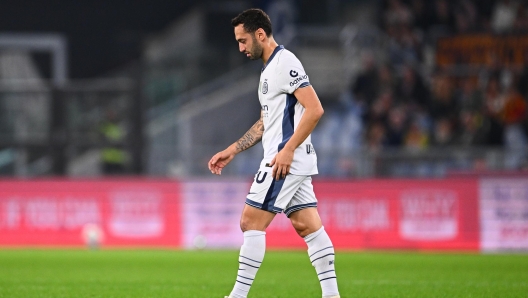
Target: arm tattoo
{"points": [[251, 137]]}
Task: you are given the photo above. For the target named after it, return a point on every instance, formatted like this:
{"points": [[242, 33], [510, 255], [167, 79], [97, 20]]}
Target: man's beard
{"points": [[256, 51]]}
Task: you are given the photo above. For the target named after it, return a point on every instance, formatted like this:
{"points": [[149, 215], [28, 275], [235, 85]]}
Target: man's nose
{"points": [[241, 47]]}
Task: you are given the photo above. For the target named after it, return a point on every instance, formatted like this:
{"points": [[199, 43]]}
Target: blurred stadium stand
{"points": [[411, 88]]}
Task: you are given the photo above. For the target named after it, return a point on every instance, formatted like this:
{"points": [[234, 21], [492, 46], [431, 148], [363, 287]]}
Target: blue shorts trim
{"points": [[265, 207], [292, 209]]}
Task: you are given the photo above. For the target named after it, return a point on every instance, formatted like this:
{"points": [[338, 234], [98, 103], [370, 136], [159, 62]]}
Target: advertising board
{"points": [[504, 214], [58, 212], [393, 214]]}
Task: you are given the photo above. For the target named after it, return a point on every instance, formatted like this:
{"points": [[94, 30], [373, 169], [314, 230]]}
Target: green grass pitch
{"points": [[167, 273]]}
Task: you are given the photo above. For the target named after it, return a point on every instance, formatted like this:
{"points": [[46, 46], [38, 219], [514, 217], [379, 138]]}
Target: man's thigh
{"points": [[255, 219]]}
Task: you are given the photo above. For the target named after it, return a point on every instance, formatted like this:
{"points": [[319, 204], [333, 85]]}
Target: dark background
{"points": [[104, 35]]}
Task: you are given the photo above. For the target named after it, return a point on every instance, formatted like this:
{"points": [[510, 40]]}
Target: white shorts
{"points": [[289, 195]]}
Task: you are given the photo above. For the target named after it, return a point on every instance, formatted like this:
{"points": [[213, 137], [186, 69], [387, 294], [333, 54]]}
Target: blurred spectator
{"points": [[493, 70], [113, 156], [397, 13], [442, 103], [396, 127], [386, 79], [443, 134], [515, 140], [419, 11], [364, 88], [440, 16], [504, 15], [411, 89], [466, 15], [404, 46], [514, 110], [494, 103], [522, 83], [485, 10], [380, 109], [376, 139], [521, 22], [417, 137], [469, 98], [473, 129]]}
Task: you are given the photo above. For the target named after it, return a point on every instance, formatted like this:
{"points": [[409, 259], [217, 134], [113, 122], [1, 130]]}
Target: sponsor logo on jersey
{"points": [[297, 80], [293, 73]]}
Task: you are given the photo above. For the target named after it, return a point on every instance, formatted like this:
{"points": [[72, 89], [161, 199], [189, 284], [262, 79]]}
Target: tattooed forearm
{"points": [[251, 137]]}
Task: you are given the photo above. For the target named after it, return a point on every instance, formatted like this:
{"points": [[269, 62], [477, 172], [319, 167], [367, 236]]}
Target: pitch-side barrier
{"points": [[471, 214]]}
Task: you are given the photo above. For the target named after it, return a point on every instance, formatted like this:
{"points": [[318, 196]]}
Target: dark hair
{"points": [[253, 19]]}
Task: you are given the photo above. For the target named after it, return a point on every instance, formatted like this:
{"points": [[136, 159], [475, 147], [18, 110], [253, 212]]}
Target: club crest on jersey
{"points": [[265, 88], [293, 73]]}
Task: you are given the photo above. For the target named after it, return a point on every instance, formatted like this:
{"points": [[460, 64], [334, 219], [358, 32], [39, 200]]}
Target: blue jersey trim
{"points": [[275, 51], [287, 120], [305, 84]]}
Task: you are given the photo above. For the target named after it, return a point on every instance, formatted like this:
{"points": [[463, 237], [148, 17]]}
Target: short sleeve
{"points": [[292, 75]]}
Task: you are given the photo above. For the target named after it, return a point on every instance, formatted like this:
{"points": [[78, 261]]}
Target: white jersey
{"points": [[281, 112]]}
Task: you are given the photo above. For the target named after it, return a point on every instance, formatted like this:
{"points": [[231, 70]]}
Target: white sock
{"points": [[251, 256], [322, 256]]}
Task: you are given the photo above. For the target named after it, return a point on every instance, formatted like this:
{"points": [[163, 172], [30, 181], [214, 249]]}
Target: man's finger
{"points": [[218, 170], [213, 160], [279, 174]]}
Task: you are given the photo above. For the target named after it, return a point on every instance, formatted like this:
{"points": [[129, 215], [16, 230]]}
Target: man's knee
{"points": [[245, 224], [248, 224], [255, 219], [306, 221], [300, 227]]}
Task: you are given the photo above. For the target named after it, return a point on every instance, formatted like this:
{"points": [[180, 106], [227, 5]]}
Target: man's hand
{"points": [[220, 160], [281, 163], [306, 96], [250, 138]]}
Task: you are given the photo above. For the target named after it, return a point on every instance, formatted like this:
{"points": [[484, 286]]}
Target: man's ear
{"points": [[260, 34]]}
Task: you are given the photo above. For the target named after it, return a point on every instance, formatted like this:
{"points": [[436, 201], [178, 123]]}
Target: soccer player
{"points": [[290, 112]]}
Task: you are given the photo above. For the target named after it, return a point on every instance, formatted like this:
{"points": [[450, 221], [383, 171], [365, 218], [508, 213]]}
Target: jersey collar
{"points": [[275, 51]]}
